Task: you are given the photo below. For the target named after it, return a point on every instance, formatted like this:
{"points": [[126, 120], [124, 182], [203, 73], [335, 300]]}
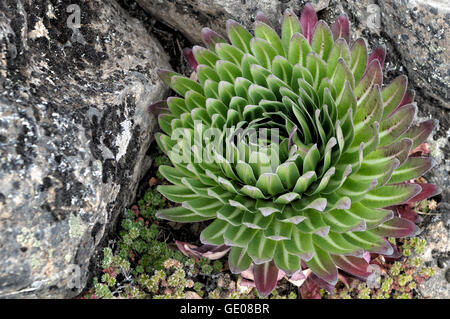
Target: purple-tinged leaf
{"points": [[308, 20], [212, 252], [265, 276], [158, 108], [419, 133], [323, 266], [190, 58], [291, 136], [396, 255], [393, 94], [413, 167], [211, 38], [310, 290], [322, 283], [396, 227], [405, 211], [262, 18], [428, 190], [378, 54], [408, 98], [390, 195], [373, 76], [341, 28], [359, 58], [396, 124], [298, 275], [353, 265]]}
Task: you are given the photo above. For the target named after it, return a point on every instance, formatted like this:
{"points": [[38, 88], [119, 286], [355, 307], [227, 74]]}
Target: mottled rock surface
{"points": [[74, 132], [437, 255]]}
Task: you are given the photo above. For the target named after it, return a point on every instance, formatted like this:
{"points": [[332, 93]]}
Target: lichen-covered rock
{"points": [[418, 29], [421, 28], [190, 16], [76, 78], [437, 255]]}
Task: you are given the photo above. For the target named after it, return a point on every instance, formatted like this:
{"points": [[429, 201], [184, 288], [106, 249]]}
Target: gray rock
{"points": [[190, 16], [437, 255], [74, 132]]}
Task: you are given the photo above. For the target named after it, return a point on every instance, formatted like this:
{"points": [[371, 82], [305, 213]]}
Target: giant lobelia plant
{"points": [[293, 147]]}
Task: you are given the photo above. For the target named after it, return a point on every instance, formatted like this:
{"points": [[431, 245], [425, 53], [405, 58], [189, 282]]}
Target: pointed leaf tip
{"points": [[188, 54], [308, 20], [266, 276], [379, 53], [428, 190], [158, 107], [211, 38], [260, 16], [166, 75], [341, 28]]}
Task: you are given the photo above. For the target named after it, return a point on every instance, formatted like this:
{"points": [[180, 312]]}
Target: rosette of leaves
{"points": [[319, 198]]}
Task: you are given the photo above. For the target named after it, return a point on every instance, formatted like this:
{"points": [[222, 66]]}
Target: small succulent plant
{"points": [[315, 185]]}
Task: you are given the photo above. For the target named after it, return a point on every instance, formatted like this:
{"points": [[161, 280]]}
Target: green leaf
{"points": [[258, 93], [396, 124], [182, 85], [298, 49], [304, 181], [239, 36], [213, 234], [371, 216], [393, 94], [323, 266], [226, 92], [300, 244], [206, 207], [390, 195], [231, 214], [285, 261], [205, 72], [270, 183], [317, 67], [412, 168], [358, 58], [278, 230], [181, 215], [341, 221], [369, 242], [335, 243], [322, 40], [261, 249], [311, 159], [263, 51], [205, 56], [227, 71], [290, 26], [256, 220], [265, 32], [247, 61], [289, 174], [396, 227], [229, 53], [239, 235], [238, 260], [340, 49], [177, 193]]}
